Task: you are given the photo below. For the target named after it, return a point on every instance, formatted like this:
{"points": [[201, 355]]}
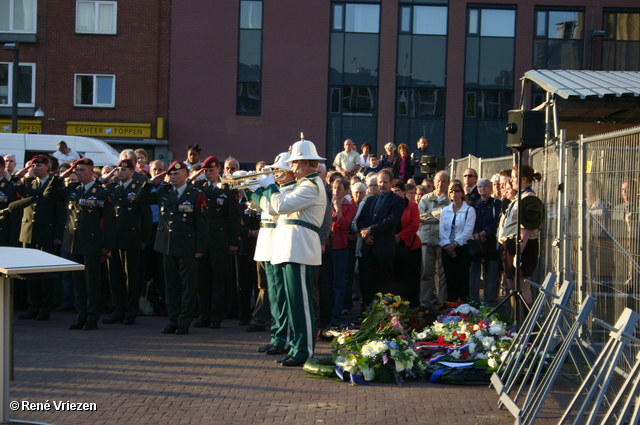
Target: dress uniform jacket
{"points": [[8, 194], [224, 217], [87, 213], [268, 220], [183, 224], [133, 214], [301, 212], [43, 221]]}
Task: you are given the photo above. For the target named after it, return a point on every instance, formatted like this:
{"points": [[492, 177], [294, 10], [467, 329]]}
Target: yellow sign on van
{"points": [[108, 129], [24, 126]]}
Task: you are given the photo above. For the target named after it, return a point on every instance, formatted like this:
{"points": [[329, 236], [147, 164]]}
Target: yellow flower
{"points": [[395, 304]]}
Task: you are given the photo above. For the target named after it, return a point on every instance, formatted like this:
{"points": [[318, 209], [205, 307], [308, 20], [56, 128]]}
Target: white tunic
{"points": [[269, 217], [307, 202]]}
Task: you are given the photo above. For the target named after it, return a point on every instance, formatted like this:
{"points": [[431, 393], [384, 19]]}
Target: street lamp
{"points": [[14, 84]]}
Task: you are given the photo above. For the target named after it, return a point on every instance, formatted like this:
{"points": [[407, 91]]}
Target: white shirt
{"points": [[68, 158]]}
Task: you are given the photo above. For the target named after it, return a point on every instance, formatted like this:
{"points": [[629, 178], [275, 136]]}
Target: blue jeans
{"points": [[340, 261]]}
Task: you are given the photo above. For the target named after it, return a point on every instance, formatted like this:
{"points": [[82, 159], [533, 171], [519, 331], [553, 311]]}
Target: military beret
{"points": [[210, 162], [176, 165], [127, 163], [41, 159], [1, 161], [83, 161]]}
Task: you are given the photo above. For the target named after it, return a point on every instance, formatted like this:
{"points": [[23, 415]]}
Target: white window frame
{"points": [[34, 20], [9, 93], [95, 91], [96, 17]]}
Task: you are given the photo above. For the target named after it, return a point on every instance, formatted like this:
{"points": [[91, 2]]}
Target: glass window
{"points": [[96, 17], [558, 43], [405, 19], [26, 84], [338, 17], [251, 15], [18, 16], [362, 18], [249, 99], [621, 45], [359, 100], [250, 56], [95, 90], [498, 23], [430, 20]]}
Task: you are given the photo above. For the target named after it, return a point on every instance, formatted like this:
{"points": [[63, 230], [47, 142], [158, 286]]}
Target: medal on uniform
{"points": [[3, 197], [184, 218]]}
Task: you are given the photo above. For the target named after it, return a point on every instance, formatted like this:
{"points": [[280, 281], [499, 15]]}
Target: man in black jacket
{"points": [[377, 224]]}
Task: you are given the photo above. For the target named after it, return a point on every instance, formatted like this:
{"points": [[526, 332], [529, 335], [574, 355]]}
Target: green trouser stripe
{"points": [[298, 282], [277, 304]]}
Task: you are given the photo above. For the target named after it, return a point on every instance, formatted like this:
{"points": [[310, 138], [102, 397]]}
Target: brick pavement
{"points": [[137, 375]]}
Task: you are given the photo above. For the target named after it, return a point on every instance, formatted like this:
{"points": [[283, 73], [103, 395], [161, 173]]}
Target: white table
{"points": [[17, 261]]}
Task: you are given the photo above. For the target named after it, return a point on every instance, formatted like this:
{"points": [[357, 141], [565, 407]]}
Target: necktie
{"points": [[174, 196], [378, 204], [81, 191]]}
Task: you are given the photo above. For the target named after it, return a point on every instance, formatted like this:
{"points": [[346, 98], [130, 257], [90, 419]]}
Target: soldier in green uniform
{"points": [[181, 239], [8, 194], [133, 232], [89, 208]]}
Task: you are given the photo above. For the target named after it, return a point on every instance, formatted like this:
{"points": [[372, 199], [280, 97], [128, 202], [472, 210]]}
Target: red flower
{"points": [[454, 333], [462, 336], [413, 318], [382, 325], [440, 339]]}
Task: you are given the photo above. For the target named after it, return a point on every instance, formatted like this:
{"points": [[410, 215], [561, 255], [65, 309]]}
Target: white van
{"points": [[26, 146]]}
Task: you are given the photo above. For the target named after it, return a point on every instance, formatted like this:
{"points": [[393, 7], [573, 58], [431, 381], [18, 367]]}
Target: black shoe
{"points": [[28, 315], [112, 320], [43, 316], [76, 325], [215, 325], [244, 322], [284, 359], [254, 328], [291, 361], [129, 322], [90, 327], [182, 330], [275, 350], [202, 324], [264, 348], [170, 329]]}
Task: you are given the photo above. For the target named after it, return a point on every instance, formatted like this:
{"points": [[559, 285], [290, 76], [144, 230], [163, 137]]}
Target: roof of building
{"points": [[586, 84]]}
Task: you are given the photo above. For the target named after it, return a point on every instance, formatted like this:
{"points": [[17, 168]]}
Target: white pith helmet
{"points": [[304, 149], [280, 162]]}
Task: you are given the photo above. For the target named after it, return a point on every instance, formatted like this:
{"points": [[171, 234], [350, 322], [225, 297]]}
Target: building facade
{"points": [[246, 77], [95, 68]]}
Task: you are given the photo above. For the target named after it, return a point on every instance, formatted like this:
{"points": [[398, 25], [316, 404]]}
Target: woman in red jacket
{"points": [[343, 213], [408, 249]]}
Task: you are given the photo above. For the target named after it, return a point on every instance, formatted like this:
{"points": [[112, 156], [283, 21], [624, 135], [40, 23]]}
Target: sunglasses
{"points": [[455, 190], [468, 175]]}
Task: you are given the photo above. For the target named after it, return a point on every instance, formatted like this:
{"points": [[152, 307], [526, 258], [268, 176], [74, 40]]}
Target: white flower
{"points": [[472, 347], [464, 327], [492, 363], [479, 335], [400, 365], [347, 363], [368, 373], [421, 335], [466, 309], [343, 338], [488, 341], [456, 354], [496, 329], [481, 356], [438, 327], [374, 348]]}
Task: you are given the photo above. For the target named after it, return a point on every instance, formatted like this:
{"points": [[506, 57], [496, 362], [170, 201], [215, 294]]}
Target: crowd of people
{"points": [[294, 246]]}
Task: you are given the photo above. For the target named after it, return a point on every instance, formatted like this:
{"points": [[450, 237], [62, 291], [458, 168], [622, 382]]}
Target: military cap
{"points": [[210, 162], [127, 163], [41, 159], [176, 165], [83, 161]]}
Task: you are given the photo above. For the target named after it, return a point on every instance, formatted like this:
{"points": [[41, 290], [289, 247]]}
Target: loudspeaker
{"points": [[525, 129], [431, 164]]}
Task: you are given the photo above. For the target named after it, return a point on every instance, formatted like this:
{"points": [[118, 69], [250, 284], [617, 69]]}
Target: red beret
{"points": [[210, 162], [127, 163], [176, 165], [83, 161], [1, 161], [41, 159]]}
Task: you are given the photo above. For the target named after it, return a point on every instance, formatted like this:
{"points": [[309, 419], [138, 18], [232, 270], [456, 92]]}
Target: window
{"points": [[558, 39], [420, 74], [26, 84], [353, 73], [489, 79], [248, 100], [18, 16], [95, 90], [621, 44], [97, 17]]}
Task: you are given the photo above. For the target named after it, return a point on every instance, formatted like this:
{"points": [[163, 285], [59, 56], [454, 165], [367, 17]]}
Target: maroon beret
{"points": [[127, 163], [176, 165], [83, 161], [210, 162], [41, 159]]}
